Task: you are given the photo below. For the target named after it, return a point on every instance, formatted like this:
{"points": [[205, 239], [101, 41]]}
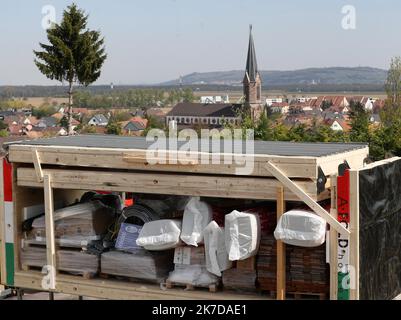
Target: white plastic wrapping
{"points": [[215, 249], [242, 235], [196, 275], [197, 215], [301, 228], [160, 235]]}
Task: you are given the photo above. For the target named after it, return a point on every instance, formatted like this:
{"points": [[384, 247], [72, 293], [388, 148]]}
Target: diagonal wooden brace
{"points": [[302, 195], [37, 165]]}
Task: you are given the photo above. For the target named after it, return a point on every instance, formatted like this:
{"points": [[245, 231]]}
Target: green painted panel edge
{"points": [[10, 263], [343, 294]]}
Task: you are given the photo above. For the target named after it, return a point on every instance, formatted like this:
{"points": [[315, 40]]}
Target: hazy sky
{"points": [[157, 40]]}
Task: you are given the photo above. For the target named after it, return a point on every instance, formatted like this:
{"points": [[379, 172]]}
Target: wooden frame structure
{"points": [[47, 172]]}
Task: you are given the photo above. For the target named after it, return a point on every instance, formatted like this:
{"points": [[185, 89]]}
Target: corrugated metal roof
{"points": [[260, 147]]}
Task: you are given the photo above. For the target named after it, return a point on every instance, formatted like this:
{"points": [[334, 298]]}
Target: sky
{"points": [[152, 41]]}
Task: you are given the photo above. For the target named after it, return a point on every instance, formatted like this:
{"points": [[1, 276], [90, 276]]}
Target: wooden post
{"points": [[2, 228], [354, 236], [50, 240], [333, 241], [281, 268]]}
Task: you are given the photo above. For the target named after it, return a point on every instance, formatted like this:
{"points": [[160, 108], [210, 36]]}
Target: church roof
{"points": [[189, 109], [251, 63]]}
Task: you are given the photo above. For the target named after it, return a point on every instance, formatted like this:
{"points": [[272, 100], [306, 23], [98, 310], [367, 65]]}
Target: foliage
{"points": [[3, 133], [12, 104], [153, 123], [43, 111], [64, 122], [135, 98], [86, 129], [359, 123], [3, 125], [113, 128]]}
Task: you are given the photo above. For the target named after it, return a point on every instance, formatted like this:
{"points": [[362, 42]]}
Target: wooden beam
{"points": [[354, 237], [50, 239], [333, 242], [122, 290], [281, 263], [166, 183], [37, 165], [294, 167], [302, 195]]}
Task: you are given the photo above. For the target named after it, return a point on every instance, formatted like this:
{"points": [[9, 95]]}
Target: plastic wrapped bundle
{"points": [[196, 275], [215, 249], [144, 265], [160, 235], [301, 228], [197, 215], [86, 221], [242, 235]]}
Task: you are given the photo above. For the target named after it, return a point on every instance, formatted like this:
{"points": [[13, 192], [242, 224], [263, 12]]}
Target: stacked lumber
{"points": [[76, 227], [69, 260], [306, 268], [139, 264], [239, 280], [267, 264]]}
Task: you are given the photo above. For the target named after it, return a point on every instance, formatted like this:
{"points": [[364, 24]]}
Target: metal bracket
{"points": [[343, 167], [321, 180]]}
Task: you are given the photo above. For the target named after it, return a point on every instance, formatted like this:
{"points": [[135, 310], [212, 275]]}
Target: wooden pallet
{"points": [[190, 287], [108, 276], [299, 295]]}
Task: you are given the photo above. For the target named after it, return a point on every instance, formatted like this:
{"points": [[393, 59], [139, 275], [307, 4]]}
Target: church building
{"points": [[216, 114]]}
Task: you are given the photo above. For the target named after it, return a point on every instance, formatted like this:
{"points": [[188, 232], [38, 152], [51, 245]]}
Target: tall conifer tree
{"points": [[75, 54]]}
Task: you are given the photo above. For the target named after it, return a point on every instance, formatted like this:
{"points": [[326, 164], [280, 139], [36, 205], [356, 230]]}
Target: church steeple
{"points": [[252, 80], [251, 63]]}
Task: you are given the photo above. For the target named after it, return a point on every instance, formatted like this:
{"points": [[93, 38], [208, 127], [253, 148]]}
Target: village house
{"points": [[214, 99], [280, 107], [273, 100], [98, 120], [338, 125], [134, 126]]}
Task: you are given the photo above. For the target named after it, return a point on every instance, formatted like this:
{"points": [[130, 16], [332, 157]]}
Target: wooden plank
{"points": [[112, 289], [333, 240], [36, 163], [354, 158], [281, 268], [302, 195], [380, 163], [50, 239], [294, 167], [165, 183], [2, 229], [354, 236]]}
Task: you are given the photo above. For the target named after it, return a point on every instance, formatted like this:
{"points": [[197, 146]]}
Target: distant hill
{"points": [[310, 76]]}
